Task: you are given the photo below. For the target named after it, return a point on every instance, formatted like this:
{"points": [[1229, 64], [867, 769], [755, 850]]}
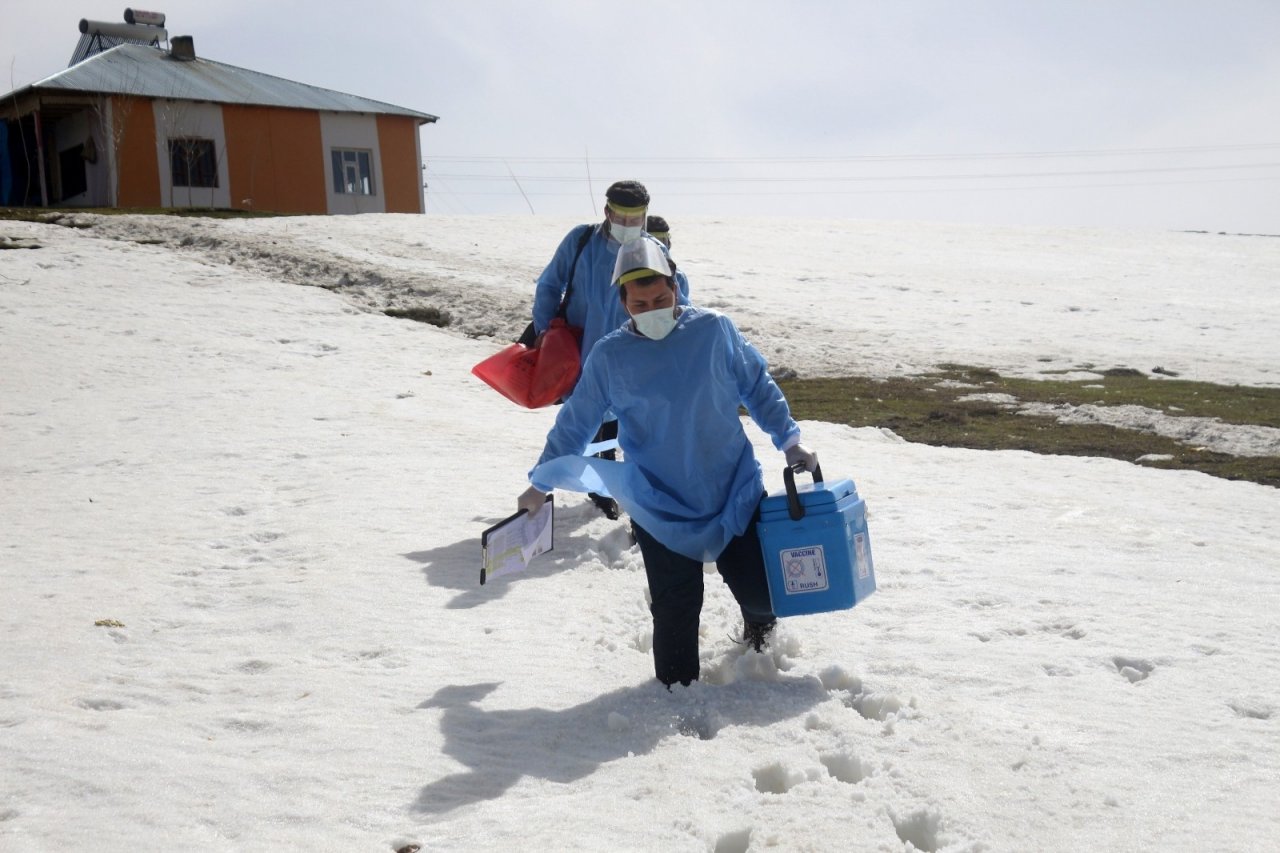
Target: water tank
{"points": [[138, 16]]}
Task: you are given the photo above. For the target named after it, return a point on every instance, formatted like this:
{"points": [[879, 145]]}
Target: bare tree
{"points": [[181, 125]]}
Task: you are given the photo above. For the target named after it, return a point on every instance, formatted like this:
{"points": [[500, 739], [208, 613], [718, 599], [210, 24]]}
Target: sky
{"points": [[240, 554], [1145, 114]]}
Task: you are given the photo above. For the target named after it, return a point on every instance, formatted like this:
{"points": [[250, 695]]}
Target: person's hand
{"points": [[801, 458], [532, 500]]}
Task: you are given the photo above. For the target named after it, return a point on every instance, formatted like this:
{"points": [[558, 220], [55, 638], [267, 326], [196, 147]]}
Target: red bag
{"points": [[535, 376]]}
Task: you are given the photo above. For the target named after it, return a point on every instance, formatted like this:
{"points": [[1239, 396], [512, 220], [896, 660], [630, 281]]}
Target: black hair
{"points": [[628, 194], [671, 282]]}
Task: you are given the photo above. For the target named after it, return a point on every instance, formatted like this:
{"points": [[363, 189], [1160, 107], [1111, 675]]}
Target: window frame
{"points": [[193, 156], [360, 161]]}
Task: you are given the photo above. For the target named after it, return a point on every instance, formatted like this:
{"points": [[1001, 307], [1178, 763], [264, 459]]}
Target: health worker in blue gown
{"points": [[579, 280], [675, 377]]}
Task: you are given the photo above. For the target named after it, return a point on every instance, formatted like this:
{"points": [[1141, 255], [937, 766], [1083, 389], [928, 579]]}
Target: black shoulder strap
{"points": [[587, 231]]}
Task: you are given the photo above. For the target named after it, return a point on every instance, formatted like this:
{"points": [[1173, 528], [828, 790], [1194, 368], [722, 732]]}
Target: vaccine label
{"points": [[804, 569]]}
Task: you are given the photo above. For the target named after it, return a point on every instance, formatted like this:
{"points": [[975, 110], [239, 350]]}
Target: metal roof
{"points": [[131, 69]]}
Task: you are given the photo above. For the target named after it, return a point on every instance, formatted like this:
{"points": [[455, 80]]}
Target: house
{"points": [[131, 124]]}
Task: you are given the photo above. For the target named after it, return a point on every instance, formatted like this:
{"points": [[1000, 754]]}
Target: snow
{"points": [[271, 497]]}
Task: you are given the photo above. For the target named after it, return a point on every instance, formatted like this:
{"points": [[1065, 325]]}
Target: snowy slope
{"points": [[279, 497]]}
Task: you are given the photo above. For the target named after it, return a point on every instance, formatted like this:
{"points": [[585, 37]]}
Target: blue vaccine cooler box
{"points": [[817, 553]]}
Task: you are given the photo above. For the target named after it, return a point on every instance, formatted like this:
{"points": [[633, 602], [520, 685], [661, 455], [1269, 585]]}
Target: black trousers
{"points": [[675, 585]]}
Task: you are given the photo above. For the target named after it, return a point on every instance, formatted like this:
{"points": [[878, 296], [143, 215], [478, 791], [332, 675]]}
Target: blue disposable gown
{"points": [[594, 305], [689, 475]]}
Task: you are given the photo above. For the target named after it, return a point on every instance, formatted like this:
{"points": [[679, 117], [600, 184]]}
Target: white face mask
{"points": [[656, 324], [625, 233]]}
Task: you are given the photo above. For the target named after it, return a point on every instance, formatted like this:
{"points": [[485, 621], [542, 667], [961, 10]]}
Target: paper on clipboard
{"points": [[510, 544]]}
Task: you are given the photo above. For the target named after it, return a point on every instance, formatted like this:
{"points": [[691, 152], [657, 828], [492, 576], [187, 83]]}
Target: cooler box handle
{"points": [[794, 508]]}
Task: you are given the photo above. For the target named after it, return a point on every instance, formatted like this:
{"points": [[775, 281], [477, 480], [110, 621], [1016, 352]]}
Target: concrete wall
{"points": [[358, 132], [178, 119], [79, 129]]}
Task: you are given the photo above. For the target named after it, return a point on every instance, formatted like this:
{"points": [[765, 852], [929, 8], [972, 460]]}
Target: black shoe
{"points": [[606, 505], [756, 634]]}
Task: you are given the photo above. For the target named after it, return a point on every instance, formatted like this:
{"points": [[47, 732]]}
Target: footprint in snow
{"points": [[738, 841], [1252, 709], [1133, 669], [919, 828]]}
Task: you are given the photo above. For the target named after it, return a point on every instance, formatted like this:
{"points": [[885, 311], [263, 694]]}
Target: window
{"points": [[352, 172], [193, 163]]}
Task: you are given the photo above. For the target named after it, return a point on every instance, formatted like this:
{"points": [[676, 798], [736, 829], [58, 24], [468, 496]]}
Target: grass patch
{"points": [[927, 409]]}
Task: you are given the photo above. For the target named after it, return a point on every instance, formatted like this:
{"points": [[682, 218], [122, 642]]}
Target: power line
{"points": [[813, 178], [867, 178], [897, 190], [852, 158]]}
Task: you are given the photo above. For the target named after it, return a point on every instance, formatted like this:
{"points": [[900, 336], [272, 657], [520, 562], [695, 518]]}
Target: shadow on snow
{"points": [[501, 747]]}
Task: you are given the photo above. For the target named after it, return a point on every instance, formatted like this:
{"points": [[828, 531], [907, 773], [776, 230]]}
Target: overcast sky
{"points": [[1135, 113]]}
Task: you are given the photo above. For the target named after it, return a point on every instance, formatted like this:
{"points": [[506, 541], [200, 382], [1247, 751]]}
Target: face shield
{"points": [[644, 255], [625, 223], [657, 227], [643, 259]]}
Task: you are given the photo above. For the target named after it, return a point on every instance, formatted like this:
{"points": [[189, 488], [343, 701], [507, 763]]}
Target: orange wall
{"points": [[139, 172], [401, 173], [274, 159]]}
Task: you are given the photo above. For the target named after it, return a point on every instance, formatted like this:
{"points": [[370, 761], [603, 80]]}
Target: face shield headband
{"points": [[626, 211]]}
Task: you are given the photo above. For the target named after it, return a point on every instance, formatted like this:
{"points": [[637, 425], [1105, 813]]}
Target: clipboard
{"points": [[509, 545]]}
